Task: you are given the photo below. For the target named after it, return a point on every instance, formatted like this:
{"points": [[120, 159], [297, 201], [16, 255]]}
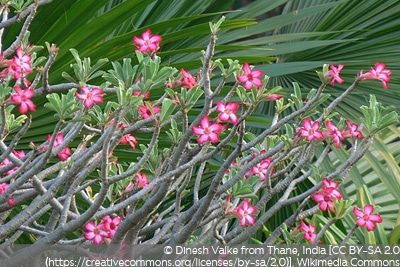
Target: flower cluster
{"points": [[65, 153], [208, 131], [129, 139], [139, 93], [364, 217], [378, 73], [252, 78], [228, 111], [3, 188], [18, 154], [309, 231], [19, 67], [327, 195], [261, 168], [104, 231], [330, 193], [6, 162], [312, 130], [187, 81], [141, 181], [22, 64], [148, 110]]}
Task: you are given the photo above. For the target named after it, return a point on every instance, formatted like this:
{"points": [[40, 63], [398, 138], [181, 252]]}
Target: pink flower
{"points": [[19, 154], [248, 174], [309, 231], [330, 187], [120, 125], [95, 233], [148, 43], [327, 195], [334, 133], [245, 212], [23, 98], [379, 73], [90, 96], [141, 180], [23, 61], [110, 225], [334, 74], [146, 112], [11, 201], [310, 131], [207, 132], [353, 131], [129, 139], [65, 153], [3, 187], [188, 81], [6, 161], [21, 64], [227, 112], [59, 139], [250, 78], [138, 93], [261, 168], [367, 218], [273, 97]]}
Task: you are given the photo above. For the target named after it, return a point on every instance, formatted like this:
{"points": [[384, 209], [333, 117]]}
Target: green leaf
{"points": [[394, 237], [65, 106], [54, 102], [167, 108], [83, 70], [81, 118]]}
